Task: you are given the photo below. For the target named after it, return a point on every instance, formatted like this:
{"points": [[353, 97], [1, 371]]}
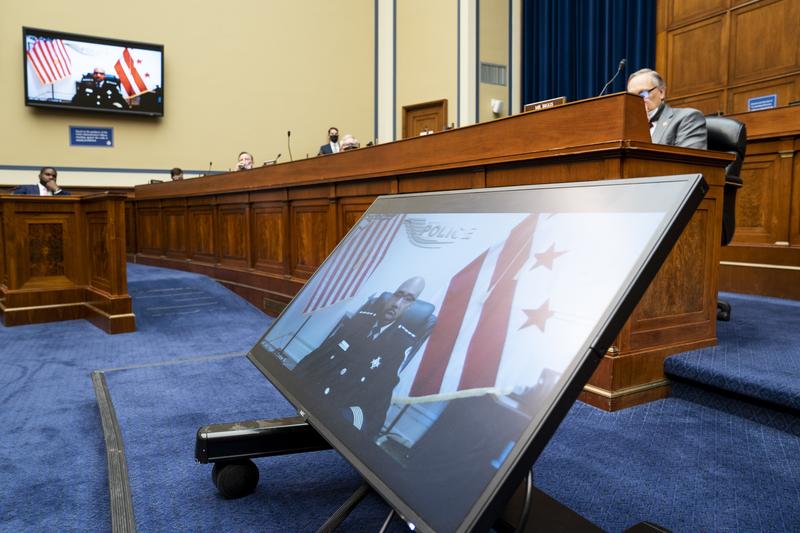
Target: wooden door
{"points": [[427, 116]]}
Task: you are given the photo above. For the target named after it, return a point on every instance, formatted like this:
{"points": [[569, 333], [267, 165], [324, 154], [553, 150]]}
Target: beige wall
{"points": [[427, 55], [238, 76], [493, 48]]}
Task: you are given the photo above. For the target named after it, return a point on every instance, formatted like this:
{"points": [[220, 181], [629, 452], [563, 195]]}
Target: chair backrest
{"points": [[728, 135]]}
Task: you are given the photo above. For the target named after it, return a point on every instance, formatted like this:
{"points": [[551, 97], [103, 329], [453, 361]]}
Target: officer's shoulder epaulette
{"points": [[406, 330]]}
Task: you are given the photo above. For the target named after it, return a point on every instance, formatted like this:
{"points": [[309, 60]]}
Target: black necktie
{"points": [[375, 331]]}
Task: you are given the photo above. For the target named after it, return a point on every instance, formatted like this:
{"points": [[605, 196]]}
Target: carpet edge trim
{"points": [[119, 488]]}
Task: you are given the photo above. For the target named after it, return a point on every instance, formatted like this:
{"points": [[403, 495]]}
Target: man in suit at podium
{"points": [[333, 145], [47, 185], [684, 127], [355, 369]]}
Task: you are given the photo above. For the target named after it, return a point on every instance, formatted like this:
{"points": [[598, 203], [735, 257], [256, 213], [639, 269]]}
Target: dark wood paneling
{"points": [[64, 258], [174, 230], [350, 210], [99, 271], [270, 237], [765, 40], [294, 224], [705, 71], [312, 235], [148, 230], [764, 257], [784, 88], [683, 11], [716, 54], [202, 235], [233, 235]]}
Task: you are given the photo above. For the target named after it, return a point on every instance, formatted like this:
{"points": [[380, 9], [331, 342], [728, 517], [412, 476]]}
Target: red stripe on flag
{"points": [[351, 255], [126, 55], [54, 59], [123, 78], [487, 343], [62, 51], [375, 257], [430, 374], [330, 272], [355, 261], [35, 66], [43, 64]]}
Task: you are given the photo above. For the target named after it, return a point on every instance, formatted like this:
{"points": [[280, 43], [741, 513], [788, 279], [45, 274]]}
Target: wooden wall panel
{"points": [[233, 235], [270, 237], [760, 204], [794, 215], [130, 226], [175, 231], [674, 297], [681, 11], [65, 259], [201, 233], [765, 40], [293, 225], [715, 54], [312, 235], [46, 253], [711, 103], [3, 267], [784, 88], [350, 210], [148, 228], [705, 42], [99, 266]]}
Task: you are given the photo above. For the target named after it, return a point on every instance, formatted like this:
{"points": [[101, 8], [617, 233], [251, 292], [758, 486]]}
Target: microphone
{"points": [[277, 157], [209, 165], [619, 69], [289, 144]]}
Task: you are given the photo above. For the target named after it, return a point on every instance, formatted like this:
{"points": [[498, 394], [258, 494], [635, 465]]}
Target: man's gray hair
{"points": [[655, 76]]}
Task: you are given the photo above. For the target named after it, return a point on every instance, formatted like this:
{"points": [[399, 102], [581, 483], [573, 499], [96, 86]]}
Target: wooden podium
{"points": [[263, 232], [64, 258]]}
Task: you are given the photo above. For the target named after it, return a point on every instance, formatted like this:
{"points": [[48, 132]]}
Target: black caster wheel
{"points": [[235, 479], [723, 311]]}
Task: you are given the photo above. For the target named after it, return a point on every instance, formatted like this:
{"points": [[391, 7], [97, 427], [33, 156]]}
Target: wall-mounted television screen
{"points": [[69, 71]]}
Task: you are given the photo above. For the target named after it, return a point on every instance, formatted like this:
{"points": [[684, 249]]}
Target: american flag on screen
{"points": [[50, 60], [355, 260], [129, 76]]}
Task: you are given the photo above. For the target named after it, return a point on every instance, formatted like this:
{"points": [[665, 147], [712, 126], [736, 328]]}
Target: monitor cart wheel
{"points": [[235, 478]]}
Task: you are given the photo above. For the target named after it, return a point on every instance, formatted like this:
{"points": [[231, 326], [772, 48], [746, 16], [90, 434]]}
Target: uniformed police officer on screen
{"points": [[356, 368], [95, 90]]}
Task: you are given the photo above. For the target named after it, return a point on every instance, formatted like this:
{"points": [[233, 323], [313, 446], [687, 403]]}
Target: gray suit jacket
{"points": [[681, 127]]}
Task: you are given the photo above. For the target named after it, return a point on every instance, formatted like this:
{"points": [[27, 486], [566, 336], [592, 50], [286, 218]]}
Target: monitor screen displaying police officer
{"points": [[98, 91]]}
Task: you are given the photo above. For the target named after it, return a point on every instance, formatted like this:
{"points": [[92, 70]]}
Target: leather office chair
{"points": [[728, 135]]}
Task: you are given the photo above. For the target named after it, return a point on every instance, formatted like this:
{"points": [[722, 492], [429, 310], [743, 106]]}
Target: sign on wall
{"points": [[91, 136]]}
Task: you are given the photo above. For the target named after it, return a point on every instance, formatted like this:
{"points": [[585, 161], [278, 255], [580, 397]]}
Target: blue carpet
{"points": [[694, 462], [52, 456], [159, 410], [757, 355], [697, 461]]}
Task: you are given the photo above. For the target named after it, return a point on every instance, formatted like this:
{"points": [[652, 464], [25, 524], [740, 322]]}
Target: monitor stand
{"points": [[231, 448]]}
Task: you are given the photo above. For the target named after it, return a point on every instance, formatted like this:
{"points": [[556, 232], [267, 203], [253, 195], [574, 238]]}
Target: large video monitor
{"points": [[442, 342], [68, 71]]}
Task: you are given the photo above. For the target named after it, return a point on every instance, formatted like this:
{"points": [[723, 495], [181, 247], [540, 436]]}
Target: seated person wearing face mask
{"points": [[333, 146]]}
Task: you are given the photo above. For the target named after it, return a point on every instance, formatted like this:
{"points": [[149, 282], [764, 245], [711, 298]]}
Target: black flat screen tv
{"points": [[69, 71], [445, 338]]}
